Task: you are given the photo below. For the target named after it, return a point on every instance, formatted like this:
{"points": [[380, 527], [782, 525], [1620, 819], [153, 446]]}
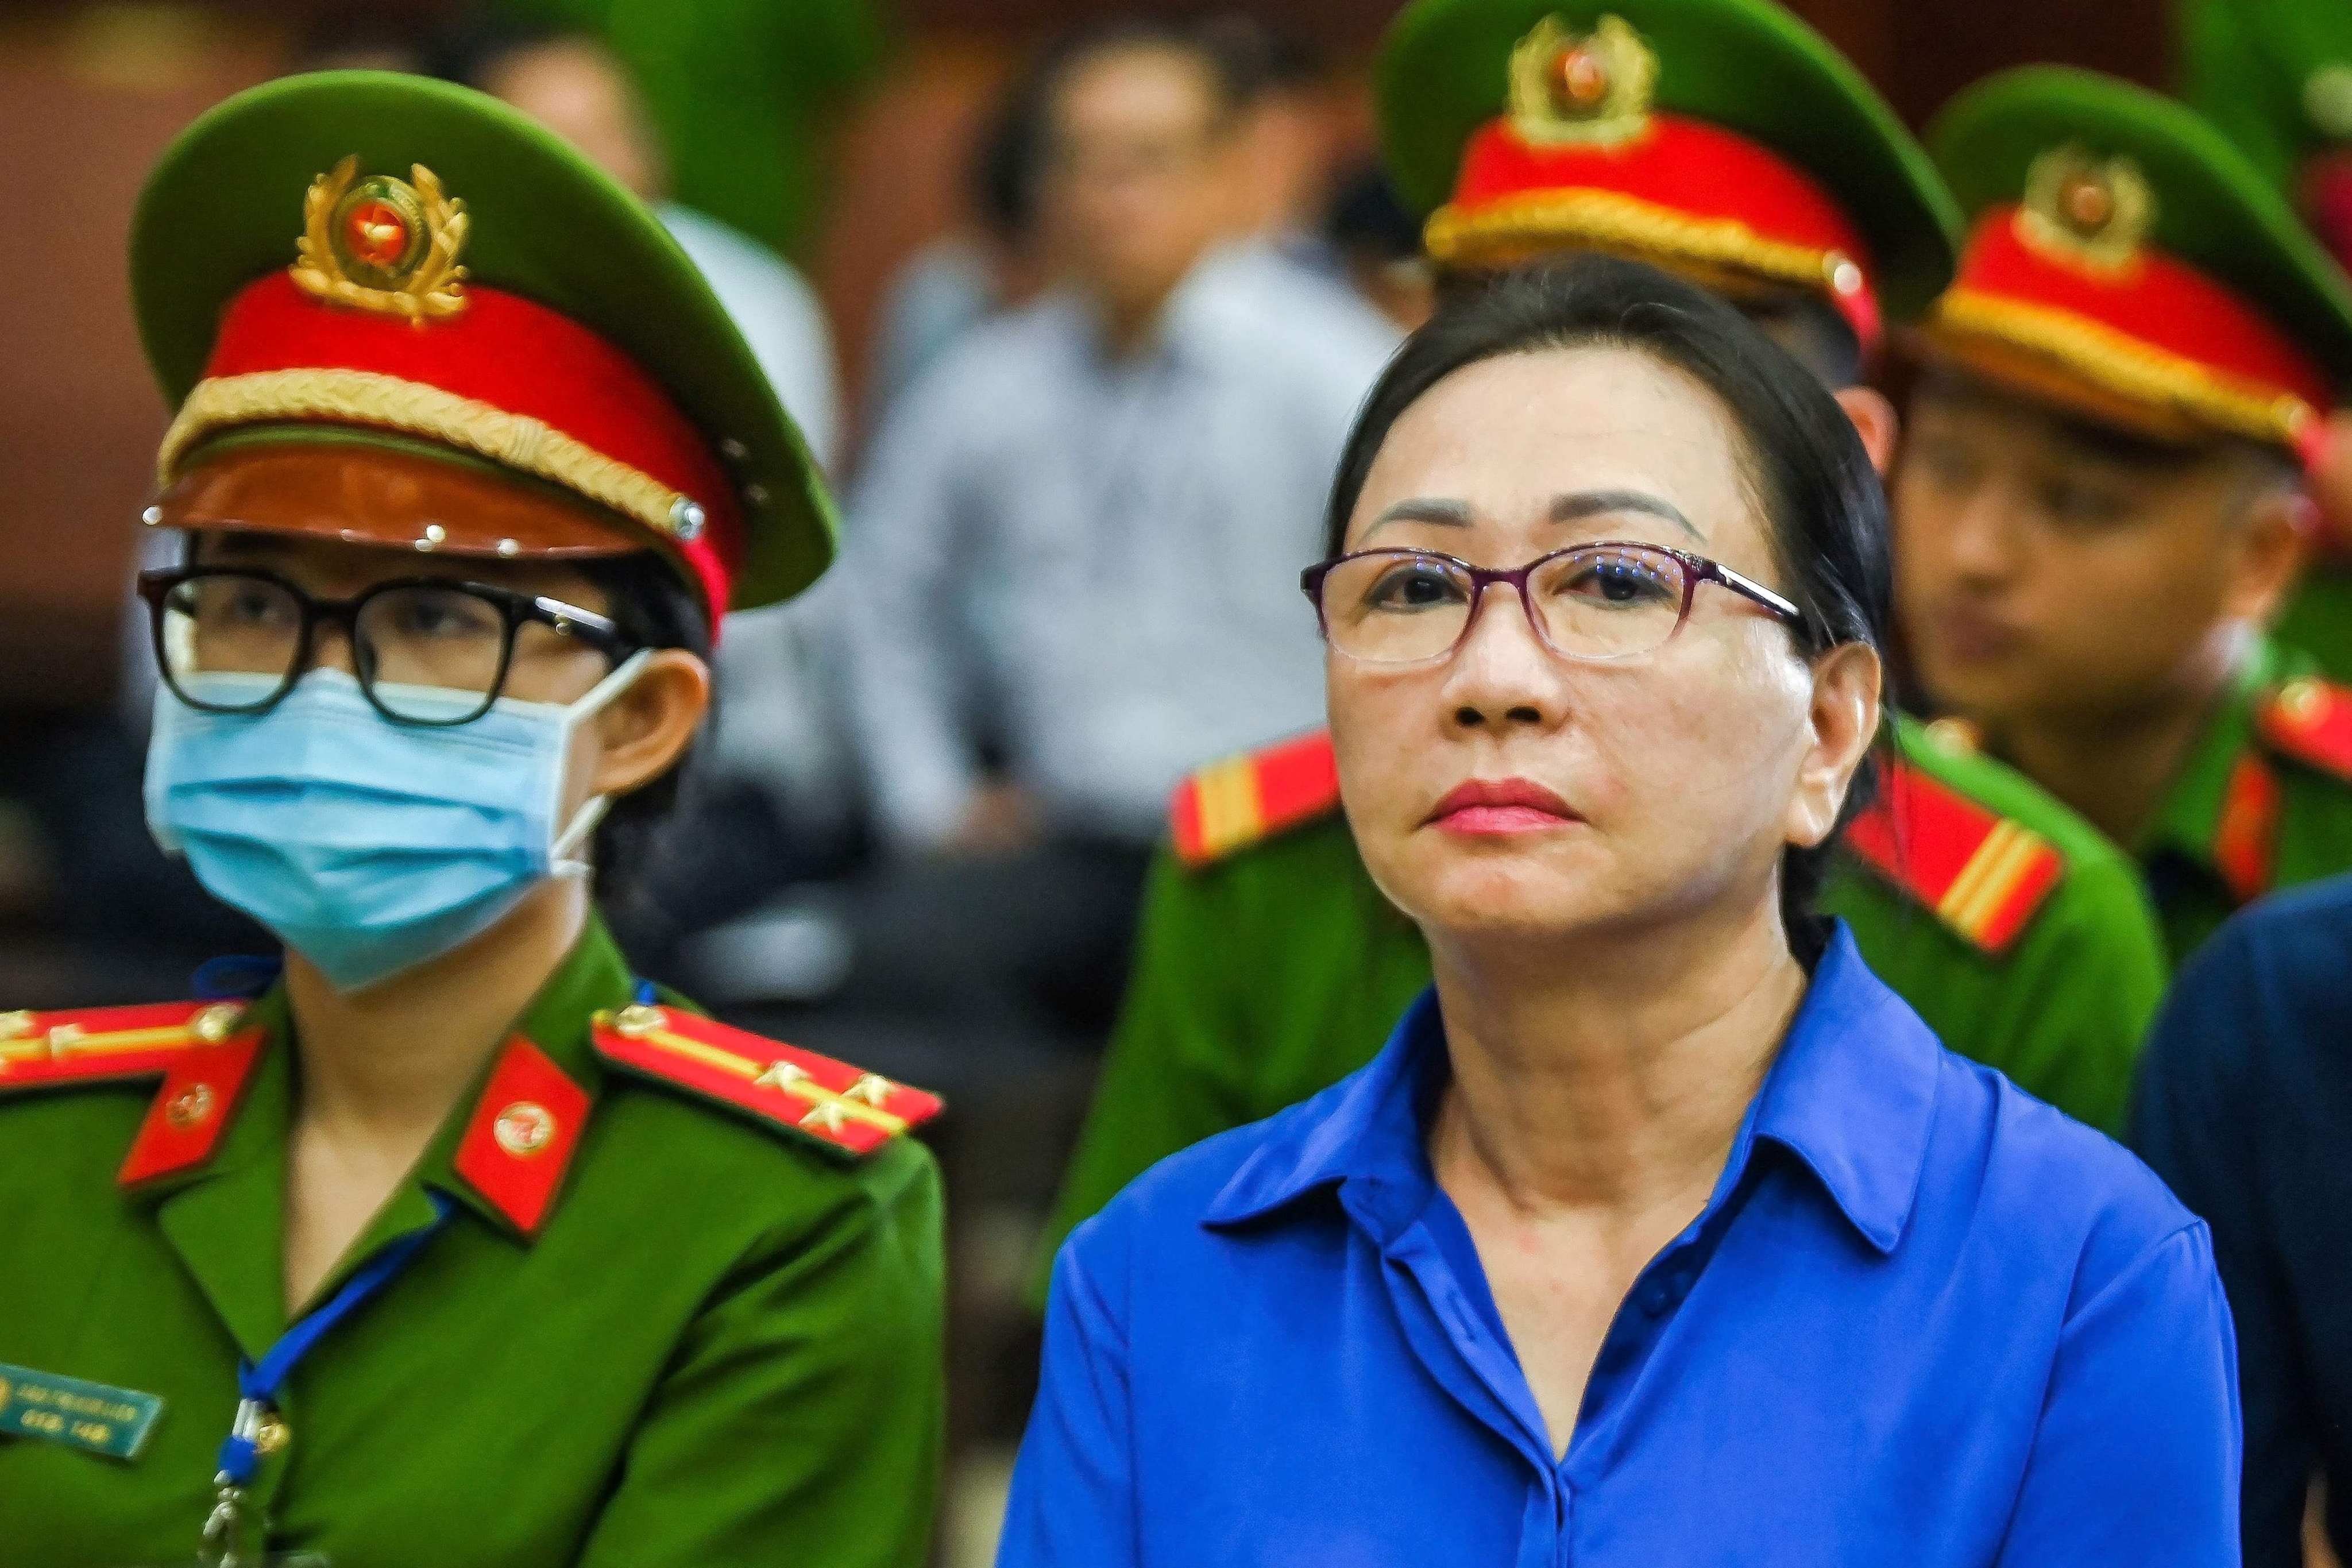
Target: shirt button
{"points": [[1656, 1297]]}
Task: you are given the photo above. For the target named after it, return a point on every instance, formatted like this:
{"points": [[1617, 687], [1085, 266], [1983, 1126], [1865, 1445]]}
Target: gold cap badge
{"points": [[383, 244], [2082, 209], [1593, 88]]}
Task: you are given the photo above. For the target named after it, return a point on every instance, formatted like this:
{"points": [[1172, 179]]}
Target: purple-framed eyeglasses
{"points": [[1614, 599]]}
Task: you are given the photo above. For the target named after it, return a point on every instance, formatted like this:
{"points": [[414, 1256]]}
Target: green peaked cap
{"points": [[2212, 210], [224, 207], [1747, 66]]}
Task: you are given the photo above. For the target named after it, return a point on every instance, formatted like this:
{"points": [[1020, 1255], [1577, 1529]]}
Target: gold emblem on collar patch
{"points": [[383, 244], [192, 1107], [2086, 210], [1593, 87], [524, 1128]]}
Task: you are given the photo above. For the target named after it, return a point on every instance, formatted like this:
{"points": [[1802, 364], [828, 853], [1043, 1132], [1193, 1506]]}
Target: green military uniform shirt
{"points": [[2263, 802], [710, 1340], [2317, 620], [1279, 968]]}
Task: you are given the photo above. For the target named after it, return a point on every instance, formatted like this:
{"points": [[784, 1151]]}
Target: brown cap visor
{"points": [[370, 493]]}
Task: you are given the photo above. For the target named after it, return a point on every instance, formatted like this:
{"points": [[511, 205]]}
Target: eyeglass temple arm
{"points": [[1748, 586]]}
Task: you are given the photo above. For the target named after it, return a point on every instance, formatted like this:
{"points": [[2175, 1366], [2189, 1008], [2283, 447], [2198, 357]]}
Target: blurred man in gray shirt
{"points": [[1073, 557]]}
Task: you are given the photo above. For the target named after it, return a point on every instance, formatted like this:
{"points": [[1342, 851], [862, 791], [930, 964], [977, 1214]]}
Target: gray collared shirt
{"points": [[1094, 563]]}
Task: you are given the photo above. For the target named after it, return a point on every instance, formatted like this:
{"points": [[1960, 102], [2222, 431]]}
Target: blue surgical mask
{"points": [[368, 846]]}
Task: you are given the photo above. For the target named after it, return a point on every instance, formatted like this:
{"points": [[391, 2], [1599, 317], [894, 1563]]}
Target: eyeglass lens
{"points": [[415, 649], [1604, 602]]}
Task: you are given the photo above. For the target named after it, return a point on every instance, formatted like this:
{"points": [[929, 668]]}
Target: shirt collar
{"points": [[2189, 821], [592, 976], [1850, 1095]]}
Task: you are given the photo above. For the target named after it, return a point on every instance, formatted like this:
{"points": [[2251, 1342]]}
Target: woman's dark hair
{"points": [[654, 607], [1821, 495]]}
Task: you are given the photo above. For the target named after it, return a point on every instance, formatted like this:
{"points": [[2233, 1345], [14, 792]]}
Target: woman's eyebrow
{"points": [[1437, 510], [1593, 503]]}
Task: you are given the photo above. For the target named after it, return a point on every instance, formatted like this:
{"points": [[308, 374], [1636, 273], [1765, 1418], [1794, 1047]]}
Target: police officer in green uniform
{"points": [[1723, 140], [458, 1243], [2103, 501], [2275, 77]]}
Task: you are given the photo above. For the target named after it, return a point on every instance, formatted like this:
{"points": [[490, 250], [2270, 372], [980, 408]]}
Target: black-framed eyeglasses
{"points": [[1614, 599], [427, 650]]}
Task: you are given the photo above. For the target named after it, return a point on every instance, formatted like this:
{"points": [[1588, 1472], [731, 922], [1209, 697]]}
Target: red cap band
{"points": [[1713, 198], [2152, 299], [502, 355]]}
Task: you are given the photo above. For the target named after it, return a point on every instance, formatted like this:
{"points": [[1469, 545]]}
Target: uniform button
{"points": [[270, 1434], [2301, 698]]}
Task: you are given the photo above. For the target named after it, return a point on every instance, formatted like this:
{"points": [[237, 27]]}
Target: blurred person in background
{"points": [[988, 264], [1269, 964], [1279, 173], [778, 804], [316, 1262], [1376, 241], [1068, 573], [747, 95], [2102, 501], [1283, 167], [573, 84], [2275, 75]]}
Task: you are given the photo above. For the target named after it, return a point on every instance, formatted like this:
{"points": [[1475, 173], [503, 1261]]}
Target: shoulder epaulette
{"points": [[1230, 805], [837, 1105], [1984, 874], [2310, 721], [105, 1045]]}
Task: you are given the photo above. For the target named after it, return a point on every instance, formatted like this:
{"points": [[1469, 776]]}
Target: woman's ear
{"points": [[1874, 420], [1844, 722], [641, 734]]}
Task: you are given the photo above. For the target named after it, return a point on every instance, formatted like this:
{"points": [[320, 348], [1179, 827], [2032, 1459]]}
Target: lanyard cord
{"points": [[259, 1383]]}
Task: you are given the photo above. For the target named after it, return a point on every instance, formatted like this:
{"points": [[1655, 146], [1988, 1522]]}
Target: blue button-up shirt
{"points": [[1923, 1320]]}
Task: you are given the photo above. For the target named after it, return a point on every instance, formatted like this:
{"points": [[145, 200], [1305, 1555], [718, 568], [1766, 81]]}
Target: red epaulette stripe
{"points": [[835, 1103], [2311, 722], [2246, 834], [1984, 874], [106, 1044], [1232, 804]]}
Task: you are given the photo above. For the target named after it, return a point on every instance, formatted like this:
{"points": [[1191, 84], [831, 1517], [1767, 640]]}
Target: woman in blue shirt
{"points": [[1661, 1232]]}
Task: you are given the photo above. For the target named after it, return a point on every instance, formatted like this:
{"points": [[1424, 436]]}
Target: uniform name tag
{"points": [[86, 1415]]}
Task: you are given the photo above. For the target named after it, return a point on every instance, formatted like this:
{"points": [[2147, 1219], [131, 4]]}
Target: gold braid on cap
{"points": [[1511, 229], [386, 402], [2121, 366]]}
